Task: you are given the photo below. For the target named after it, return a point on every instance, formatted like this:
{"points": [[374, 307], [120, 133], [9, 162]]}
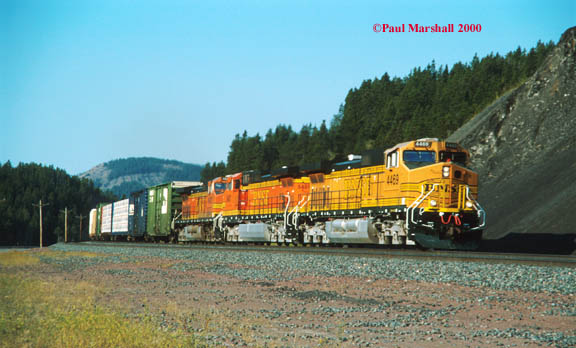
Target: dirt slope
{"points": [[524, 147]]}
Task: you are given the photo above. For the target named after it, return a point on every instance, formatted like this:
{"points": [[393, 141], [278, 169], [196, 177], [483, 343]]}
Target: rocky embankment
{"points": [[524, 148]]}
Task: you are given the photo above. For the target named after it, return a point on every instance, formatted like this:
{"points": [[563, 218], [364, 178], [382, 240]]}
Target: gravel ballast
{"points": [[293, 300], [282, 266]]}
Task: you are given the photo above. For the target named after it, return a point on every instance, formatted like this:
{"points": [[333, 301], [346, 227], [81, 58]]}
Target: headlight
{"points": [[445, 172], [433, 203], [469, 204]]}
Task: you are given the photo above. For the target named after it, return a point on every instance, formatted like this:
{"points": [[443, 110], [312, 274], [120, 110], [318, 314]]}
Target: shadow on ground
{"points": [[539, 243]]}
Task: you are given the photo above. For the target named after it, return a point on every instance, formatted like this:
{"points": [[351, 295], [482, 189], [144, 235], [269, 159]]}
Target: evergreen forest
{"points": [[21, 189], [143, 165], [432, 101]]}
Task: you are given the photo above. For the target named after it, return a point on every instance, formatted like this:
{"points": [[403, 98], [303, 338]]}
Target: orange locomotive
{"points": [[419, 192]]}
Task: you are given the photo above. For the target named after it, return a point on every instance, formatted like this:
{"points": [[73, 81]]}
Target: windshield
{"points": [[456, 157], [219, 187], [415, 159]]}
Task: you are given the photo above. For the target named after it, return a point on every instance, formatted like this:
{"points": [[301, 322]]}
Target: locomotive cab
{"points": [[225, 194], [440, 189]]}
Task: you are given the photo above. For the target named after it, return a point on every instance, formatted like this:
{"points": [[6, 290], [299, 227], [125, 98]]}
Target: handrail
{"points": [[292, 212], [286, 211], [480, 211], [174, 219], [416, 203], [295, 214], [216, 220]]}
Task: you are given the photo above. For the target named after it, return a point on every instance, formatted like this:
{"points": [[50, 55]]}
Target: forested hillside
{"points": [[126, 175], [430, 102], [25, 185]]}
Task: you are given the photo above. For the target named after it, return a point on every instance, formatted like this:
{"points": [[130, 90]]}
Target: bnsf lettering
{"points": [[261, 197], [441, 188]]}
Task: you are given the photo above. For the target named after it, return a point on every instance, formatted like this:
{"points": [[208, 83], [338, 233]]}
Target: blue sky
{"points": [[84, 82]]}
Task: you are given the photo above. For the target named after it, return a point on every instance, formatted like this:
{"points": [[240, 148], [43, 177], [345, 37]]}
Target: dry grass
{"points": [[17, 258], [27, 258], [35, 313], [66, 254]]}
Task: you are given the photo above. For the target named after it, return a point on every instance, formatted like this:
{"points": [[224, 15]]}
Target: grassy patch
{"points": [[17, 258], [66, 254], [27, 258], [34, 313]]}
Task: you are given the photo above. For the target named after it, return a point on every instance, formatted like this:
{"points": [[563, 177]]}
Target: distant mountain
{"points": [[126, 175], [524, 148]]}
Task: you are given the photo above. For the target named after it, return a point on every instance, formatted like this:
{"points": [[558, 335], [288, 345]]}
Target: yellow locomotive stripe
{"points": [[262, 211], [373, 170]]}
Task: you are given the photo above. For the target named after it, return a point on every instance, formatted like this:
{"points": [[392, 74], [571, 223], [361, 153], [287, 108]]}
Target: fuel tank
{"points": [[258, 232], [345, 231]]}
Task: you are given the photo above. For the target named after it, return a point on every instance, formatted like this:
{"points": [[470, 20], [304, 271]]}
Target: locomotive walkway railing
{"points": [[416, 203]]}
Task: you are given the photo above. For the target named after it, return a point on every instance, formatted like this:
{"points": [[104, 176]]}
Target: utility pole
{"points": [[80, 217], [40, 205], [65, 211]]}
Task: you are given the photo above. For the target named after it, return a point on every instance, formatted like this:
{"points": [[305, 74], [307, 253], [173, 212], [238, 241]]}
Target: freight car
{"points": [[419, 192], [138, 214]]}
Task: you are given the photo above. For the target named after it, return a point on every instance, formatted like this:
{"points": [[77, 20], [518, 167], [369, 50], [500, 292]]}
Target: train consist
{"points": [[419, 192]]}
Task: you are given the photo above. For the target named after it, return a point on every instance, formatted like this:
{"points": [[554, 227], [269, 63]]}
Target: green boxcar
{"points": [[164, 206], [98, 227]]}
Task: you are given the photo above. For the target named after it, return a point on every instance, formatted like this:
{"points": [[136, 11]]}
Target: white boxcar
{"points": [[93, 223], [120, 211], [106, 219]]}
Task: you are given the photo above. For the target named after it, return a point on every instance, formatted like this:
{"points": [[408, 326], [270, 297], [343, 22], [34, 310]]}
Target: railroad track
{"points": [[476, 256]]}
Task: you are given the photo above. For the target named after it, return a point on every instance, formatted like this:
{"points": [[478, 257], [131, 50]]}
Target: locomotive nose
{"points": [[452, 171]]}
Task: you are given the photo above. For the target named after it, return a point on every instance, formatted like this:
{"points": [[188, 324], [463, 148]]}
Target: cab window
{"points": [[287, 182], [456, 157], [219, 187], [317, 178], [415, 159], [392, 160]]}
